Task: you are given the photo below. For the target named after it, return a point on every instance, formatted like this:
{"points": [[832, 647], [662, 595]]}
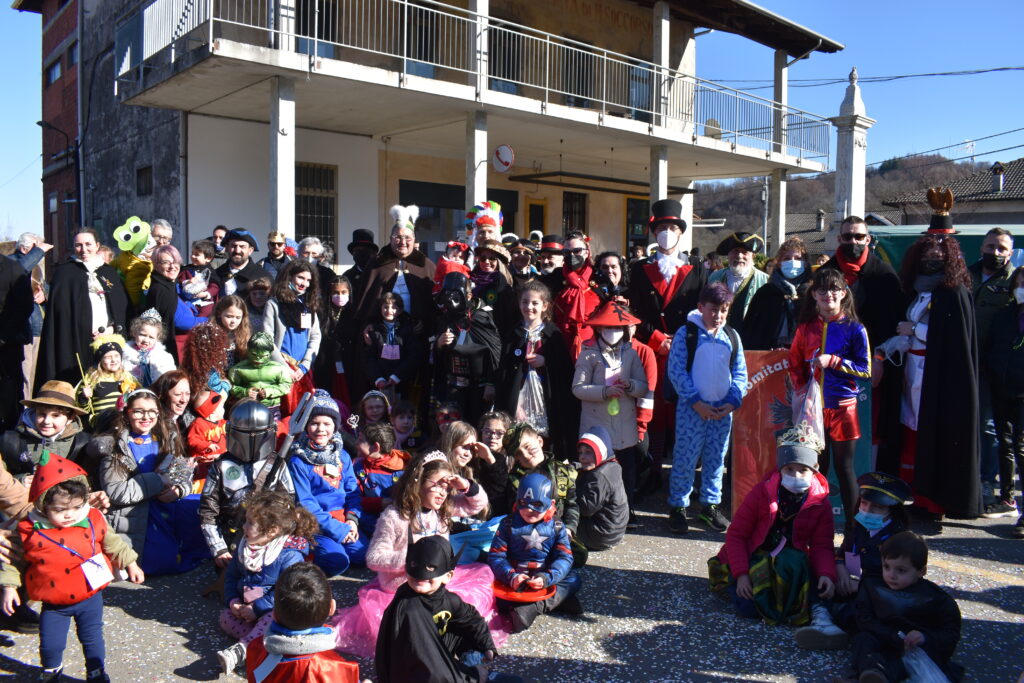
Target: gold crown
{"points": [[803, 435]]}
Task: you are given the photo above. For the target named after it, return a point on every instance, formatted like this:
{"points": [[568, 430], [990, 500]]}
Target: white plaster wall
{"points": [[229, 177]]}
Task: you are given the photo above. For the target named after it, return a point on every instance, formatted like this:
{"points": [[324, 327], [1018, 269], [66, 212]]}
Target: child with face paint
{"points": [[781, 535]]}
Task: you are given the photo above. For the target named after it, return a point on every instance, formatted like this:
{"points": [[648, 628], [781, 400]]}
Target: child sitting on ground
{"points": [[424, 501], [297, 646], [277, 535], [532, 547], [106, 381], [604, 509], [781, 535], [325, 484], [709, 375], [901, 611], [428, 632], [70, 552], [145, 356], [879, 517], [492, 475], [378, 468], [408, 436]]}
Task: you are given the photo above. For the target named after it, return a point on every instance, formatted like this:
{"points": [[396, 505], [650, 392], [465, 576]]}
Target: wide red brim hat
{"points": [[612, 314]]}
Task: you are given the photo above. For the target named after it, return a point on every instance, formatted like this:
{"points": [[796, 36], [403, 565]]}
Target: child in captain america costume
{"points": [[531, 550]]}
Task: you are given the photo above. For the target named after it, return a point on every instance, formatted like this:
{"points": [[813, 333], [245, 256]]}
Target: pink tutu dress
{"points": [[357, 626]]}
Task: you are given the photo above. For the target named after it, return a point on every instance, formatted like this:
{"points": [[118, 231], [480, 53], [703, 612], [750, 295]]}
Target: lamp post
{"points": [[73, 150]]}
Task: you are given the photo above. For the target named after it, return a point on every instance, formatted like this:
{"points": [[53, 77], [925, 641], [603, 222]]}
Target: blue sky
{"points": [[882, 39]]}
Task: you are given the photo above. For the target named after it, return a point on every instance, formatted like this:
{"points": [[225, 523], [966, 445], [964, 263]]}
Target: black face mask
{"points": [[852, 250], [931, 266], [992, 262], [576, 261]]}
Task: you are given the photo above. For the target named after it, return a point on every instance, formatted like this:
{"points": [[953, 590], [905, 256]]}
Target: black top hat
{"points": [[552, 244], [667, 211], [241, 235], [883, 489], [743, 240], [361, 238]]}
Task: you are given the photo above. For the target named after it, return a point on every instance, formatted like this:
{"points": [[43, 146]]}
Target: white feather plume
{"points": [[405, 215]]}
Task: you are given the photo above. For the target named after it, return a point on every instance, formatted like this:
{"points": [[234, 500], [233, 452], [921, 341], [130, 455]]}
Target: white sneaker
{"points": [[822, 634], [231, 657]]}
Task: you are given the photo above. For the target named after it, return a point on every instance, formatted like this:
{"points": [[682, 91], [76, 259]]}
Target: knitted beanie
{"points": [[323, 404]]}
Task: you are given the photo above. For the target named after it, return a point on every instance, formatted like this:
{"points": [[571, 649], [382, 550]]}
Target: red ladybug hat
{"points": [[612, 314], [52, 470]]}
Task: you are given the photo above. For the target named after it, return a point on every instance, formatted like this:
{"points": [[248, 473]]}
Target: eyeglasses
{"points": [[145, 413], [166, 264], [276, 244], [854, 237], [493, 433], [577, 251], [488, 257], [825, 290]]}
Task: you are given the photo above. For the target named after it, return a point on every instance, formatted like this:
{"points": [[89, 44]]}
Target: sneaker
{"points": [[677, 521], [988, 492], [1002, 508], [97, 675], [571, 605], [523, 616], [873, 676], [822, 634], [230, 658], [1018, 529], [712, 516]]}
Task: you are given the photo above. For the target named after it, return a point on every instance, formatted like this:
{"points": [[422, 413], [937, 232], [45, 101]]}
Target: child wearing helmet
{"points": [[531, 551]]}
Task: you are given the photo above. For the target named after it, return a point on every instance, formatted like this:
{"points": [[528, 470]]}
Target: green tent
{"points": [[893, 241]]}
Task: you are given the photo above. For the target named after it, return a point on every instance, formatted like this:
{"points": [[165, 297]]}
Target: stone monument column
{"points": [[851, 158]]}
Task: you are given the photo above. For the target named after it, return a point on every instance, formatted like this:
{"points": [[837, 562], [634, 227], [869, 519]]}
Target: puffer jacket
{"points": [[129, 489], [22, 446], [588, 385]]}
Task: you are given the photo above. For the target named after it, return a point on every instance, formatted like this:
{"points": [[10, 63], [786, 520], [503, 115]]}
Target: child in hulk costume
{"points": [[258, 376]]}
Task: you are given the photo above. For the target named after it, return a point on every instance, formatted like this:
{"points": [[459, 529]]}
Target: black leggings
{"points": [[848, 491], [1009, 417]]}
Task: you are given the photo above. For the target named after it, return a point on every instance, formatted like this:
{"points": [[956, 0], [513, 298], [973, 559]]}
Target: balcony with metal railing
{"points": [[451, 45]]}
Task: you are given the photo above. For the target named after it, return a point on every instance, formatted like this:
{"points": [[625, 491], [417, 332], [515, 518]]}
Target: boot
{"points": [[51, 675], [231, 657], [97, 675], [524, 615], [822, 634]]}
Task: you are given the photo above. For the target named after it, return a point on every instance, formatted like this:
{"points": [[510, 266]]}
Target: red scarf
{"points": [[851, 269], [574, 304]]}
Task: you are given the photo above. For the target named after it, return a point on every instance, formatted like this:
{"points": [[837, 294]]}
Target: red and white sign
{"points": [[503, 159]]}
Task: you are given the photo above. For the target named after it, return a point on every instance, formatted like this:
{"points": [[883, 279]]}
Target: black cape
{"points": [[421, 634], [556, 378], [67, 329], [15, 308], [163, 296], [252, 271], [771, 318], [946, 469]]}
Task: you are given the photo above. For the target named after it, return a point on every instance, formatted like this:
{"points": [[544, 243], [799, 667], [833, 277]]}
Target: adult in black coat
{"points": [[240, 269], [163, 293], [16, 299], [943, 465], [771, 318], [400, 256], [69, 326], [363, 249]]}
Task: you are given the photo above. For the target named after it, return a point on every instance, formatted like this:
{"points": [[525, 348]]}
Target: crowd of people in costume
{"points": [[472, 430]]}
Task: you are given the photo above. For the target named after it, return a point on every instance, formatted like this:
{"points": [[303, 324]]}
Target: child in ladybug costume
{"points": [[69, 557]]}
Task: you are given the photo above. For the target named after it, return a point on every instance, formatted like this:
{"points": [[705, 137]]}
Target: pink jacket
{"points": [[813, 528], [386, 554]]}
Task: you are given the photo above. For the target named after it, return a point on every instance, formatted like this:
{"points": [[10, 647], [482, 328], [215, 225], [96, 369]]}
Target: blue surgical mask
{"points": [[871, 521], [793, 268], [795, 484]]}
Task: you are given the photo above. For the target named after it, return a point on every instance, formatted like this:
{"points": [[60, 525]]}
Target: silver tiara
{"points": [[151, 314], [434, 455]]}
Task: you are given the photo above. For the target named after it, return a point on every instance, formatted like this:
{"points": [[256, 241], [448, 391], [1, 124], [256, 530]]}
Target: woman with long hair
{"points": [[934, 445], [292, 316]]}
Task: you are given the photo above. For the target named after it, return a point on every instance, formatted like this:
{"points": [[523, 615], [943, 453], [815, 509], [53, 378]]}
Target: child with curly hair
{"points": [[205, 360], [145, 356]]}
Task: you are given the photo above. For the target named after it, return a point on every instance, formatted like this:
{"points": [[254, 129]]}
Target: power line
{"points": [[957, 144], [817, 82], [15, 176]]}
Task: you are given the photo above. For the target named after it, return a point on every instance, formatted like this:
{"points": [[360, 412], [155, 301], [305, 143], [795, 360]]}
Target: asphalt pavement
{"points": [[649, 617]]}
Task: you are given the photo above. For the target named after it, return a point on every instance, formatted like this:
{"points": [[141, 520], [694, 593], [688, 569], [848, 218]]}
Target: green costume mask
{"points": [[134, 236]]}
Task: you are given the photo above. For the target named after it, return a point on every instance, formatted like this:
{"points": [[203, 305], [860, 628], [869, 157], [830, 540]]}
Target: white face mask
{"points": [[795, 484], [668, 239], [612, 335], [1018, 294]]}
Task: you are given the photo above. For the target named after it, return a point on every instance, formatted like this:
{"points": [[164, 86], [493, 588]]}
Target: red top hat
{"points": [[612, 314], [52, 470]]}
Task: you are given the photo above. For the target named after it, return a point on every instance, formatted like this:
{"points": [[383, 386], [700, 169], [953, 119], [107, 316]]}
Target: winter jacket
{"points": [[991, 296], [22, 446], [328, 496], [813, 526], [604, 510], [386, 554], [418, 273], [408, 341], [847, 342], [274, 325], [376, 477], [13, 495], [228, 483], [540, 549], [237, 578], [160, 361], [52, 573], [306, 655], [714, 377], [1004, 354], [589, 387], [129, 489]]}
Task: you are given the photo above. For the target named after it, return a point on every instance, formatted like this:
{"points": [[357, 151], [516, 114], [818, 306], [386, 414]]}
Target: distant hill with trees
{"points": [[740, 201]]}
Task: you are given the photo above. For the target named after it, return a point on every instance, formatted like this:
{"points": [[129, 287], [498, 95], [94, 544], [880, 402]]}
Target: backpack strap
{"points": [[691, 344], [734, 338]]}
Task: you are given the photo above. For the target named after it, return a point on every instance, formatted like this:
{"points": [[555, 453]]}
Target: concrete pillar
{"points": [[852, 126], [481, 54], [659, 172], [686, 241], [477, 157], [661, 57], [780, 95], [282, 155], [777, 210]]}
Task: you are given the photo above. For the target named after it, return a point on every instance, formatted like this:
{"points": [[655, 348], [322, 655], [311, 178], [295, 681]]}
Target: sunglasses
{"points": [[533, 504], [577, 251], [276, 244], [448, 416], [854, 237]]}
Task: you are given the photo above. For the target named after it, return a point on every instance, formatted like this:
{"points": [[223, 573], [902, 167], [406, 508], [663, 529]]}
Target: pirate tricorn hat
{"points": [[941, 201]]}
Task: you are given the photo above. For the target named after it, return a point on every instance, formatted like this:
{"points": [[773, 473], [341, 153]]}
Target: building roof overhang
{"points": [[28, 6]]}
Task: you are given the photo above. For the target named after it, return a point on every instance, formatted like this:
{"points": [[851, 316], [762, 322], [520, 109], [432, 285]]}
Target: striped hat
{"points": [[600, 441]]}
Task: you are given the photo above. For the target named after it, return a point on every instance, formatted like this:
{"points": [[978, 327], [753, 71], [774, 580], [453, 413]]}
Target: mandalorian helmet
{"points": [[251, 431]]}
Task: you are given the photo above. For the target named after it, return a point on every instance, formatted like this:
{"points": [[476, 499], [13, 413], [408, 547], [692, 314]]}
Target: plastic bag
{"points": [[921, 669], [531, 403], [808, 409]]}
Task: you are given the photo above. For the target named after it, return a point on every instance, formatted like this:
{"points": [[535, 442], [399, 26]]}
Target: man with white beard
{"points": [[741, 277]]}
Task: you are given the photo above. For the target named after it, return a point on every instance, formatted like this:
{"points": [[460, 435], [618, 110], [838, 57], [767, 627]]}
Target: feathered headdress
{"points": [[405, 216], [488, 213]]}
